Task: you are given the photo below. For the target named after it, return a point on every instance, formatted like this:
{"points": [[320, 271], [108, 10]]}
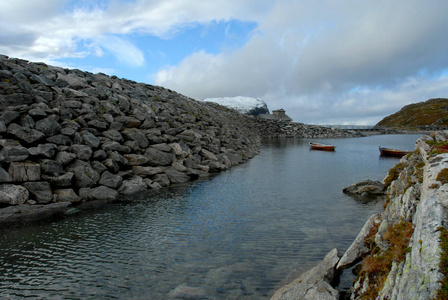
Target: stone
{"points": [[175, 176], [365, 189], [84, 174], [83, 152], [159, 158], [98, 193], [47, 150], [11, 194], [132, 186], [115, 146], [65, 157], [162, 179], [22, 214], [49, 126], [114, 135], [4, 176], [89, 139], [208, 155], [27, 135], [66, 195], [51, 167], [110, 180], [13, 151], [137, 135], [111, 165], [40, 191], [59, 139], [136, 159], [98, 167], [146, 171], [24, 171], [64, 180], [313, 284], [8, 116]]}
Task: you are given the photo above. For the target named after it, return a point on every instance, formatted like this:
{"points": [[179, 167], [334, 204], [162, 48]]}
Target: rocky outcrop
{"points": [[366, 189], [416, 197]]}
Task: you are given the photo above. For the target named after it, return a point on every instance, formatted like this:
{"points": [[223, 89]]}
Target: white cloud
{"points": [[307, 56]]}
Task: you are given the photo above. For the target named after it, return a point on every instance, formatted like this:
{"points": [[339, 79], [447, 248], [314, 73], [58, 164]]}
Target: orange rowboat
{"points": [[393, 152], [324, 147]]}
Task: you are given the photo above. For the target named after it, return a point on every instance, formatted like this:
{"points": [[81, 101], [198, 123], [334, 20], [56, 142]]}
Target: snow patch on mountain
{"points": [[245, 105]]}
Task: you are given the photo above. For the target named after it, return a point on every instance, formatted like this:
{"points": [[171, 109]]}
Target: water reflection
{"points": [[236, 236]]}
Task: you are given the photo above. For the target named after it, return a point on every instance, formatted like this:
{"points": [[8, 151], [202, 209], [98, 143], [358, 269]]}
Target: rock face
{"points": [[418, 198]]}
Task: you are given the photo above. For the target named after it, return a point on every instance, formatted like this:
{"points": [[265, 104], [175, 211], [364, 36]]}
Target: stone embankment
{"points": [[69, 137], [399, 249]]}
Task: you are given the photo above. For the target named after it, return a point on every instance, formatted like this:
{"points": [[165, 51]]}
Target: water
{"points": [[239, 235]]}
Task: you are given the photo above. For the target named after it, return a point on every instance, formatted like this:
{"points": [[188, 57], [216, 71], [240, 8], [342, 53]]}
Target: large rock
{"points": [[84, 174], [11, 194], [66, 195], [13, 151], [31, 213], [110, 180], [132, 186], [159, 158], [40, 191], [365, 189], [313, 284], [24, 171]]}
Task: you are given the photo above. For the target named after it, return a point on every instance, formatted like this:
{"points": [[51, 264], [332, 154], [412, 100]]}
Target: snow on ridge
{"points": [[240, 103]]}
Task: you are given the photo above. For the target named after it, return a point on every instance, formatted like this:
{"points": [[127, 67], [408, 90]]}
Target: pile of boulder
{"points": [[71, 136]]}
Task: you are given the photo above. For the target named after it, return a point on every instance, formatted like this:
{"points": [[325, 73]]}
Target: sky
{"points": [[323, 61]]}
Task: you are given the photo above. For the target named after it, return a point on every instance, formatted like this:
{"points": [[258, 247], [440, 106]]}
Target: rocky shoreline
{"points": [[398, 252], [68, 137]]}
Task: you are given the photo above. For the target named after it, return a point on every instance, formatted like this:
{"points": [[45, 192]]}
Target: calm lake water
{"points": [[239, 235]]}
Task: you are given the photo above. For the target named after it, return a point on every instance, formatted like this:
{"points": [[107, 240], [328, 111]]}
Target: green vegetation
{"points": [[431, 112], [442, 293], [393, 174], [437, 147], [376, 266], [443, 176]]}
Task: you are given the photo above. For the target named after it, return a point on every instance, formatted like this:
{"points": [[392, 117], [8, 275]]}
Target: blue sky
{"points": [[324, 62]]}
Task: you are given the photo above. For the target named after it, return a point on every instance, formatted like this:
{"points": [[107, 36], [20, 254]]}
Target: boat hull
{"points": [[322, 147], [392, 152]]}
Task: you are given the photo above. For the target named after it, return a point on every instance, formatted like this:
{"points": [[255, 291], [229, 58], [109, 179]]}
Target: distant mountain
{"points": [[245, 105], [433, 112]]}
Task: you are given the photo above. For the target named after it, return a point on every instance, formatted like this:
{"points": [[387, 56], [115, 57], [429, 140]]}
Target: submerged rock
{"points": [[366, 189], [313, 284]]}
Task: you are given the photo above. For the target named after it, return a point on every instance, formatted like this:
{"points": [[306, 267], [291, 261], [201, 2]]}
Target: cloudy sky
{"points": [[323, 61]]}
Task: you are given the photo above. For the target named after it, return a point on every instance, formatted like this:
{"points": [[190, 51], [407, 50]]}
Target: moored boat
{"points": [[319, 146], [392, 152]]}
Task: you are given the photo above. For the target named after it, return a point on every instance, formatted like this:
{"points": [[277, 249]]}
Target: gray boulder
{"points": [[11, 194], [24, 171], [132, 186], [66, 195], [84, 174], [31, 213], [13, 151], [159, 158], [110, 180], [365, 189], [40, 191]]}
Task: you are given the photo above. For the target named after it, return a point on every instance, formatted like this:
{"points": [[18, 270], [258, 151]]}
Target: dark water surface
{"points": [[236, 236]]}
